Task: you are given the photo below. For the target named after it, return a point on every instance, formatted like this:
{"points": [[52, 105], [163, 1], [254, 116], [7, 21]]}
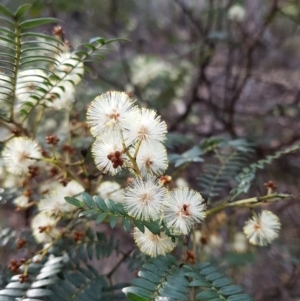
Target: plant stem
{"points": [[250, 202]]}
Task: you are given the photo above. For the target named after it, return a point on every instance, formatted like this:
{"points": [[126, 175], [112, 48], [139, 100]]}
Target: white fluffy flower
{"points": [[43, 228], [147, 127], [263, 228], [153, 244], [143, 198], [184, 208], [106, 150], [5, 87], [70, 67], [27, 83], [54, 201], [111, 112], [240, 243], [152, 159], [19, 153], [236, 13], [111, 190], [21, 201], [59, 98]]}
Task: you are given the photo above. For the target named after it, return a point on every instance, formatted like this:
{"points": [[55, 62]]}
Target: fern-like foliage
{"points": [[84, 284], [18, 51], [34, 70], [41, 276], [247, 175], [100, 210], [93, 245], [160, 277], [231, 157], [163, 277]]}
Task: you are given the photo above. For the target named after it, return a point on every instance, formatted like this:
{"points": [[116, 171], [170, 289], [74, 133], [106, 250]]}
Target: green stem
{"points": [[250, 202], [38, 120], [16, 66]]}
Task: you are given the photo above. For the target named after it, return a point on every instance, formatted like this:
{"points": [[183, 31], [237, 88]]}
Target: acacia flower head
{"points": [[54, 201], [111, 190], [184, 209], [27, 83], [143, 198], [109, 112], [108, 153], [263, 228], [19, 153], [21, 201], [148, 127], [5, 87], [60, 98], [43, 228], [152, 159], [70, 67], [153, 244], [236, 13]]}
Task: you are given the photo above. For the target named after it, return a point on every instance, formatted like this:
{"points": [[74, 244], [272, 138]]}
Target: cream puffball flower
{"points": [[108, 153], [21, 201], [152, 159], [240, 243], [111, 190], [236, 13], [70, 67], [184, 209], [59, 98], [111, 112], [147, 127], [153, 244], [27, 83], [19, 153], [54, 202], [6, 87], [263, 228], [43, 228], [143, 198]]}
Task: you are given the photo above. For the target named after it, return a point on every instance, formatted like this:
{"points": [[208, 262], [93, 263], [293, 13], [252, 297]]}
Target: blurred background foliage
{"points": [[229, 91]]}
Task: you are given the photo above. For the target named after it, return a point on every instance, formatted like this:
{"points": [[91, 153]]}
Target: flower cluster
{"points": [[65, 74], [127, 137], [263, 228]]}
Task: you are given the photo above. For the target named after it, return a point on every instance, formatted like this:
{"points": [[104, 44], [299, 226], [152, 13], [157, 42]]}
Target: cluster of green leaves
{"points": [[163, 277], [230, 156], [41, 276], [245, 178], [100, 209], [21, 49], [58, 279], [93, 245]]}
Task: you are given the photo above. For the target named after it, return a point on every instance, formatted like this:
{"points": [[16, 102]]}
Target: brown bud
{"points": [[165, 180], [52, 139], [16, 132], [53, 171], [45, 153], [21, 243], [24, 278], [58, 31], [190, 257], [27, 192], [64, 181], [114, 159], [33, 171], [109, 156], [42, 229], [68, 148]]}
